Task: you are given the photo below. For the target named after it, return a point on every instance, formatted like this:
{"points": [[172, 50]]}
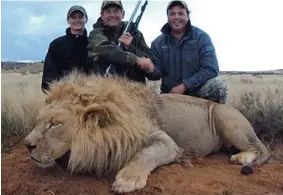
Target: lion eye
{"points": [[52, 125], [49, 125]]}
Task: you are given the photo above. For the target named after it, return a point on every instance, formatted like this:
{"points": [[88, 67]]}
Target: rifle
{"points": [[128, 28]]}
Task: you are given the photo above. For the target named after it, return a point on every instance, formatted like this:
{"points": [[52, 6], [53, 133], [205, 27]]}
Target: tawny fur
{"points": [[116, 127]]}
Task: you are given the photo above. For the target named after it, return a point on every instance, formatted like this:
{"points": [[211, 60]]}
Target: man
{"points": [[103, 44], [185, 58], [67, 52]]}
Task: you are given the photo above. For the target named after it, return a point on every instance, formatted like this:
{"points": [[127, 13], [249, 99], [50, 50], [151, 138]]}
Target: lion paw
{"points": [[243, 158], [129, 180], [184, 161]]}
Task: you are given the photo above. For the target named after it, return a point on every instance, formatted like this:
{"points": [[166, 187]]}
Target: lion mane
{"points": [[111, 126]]}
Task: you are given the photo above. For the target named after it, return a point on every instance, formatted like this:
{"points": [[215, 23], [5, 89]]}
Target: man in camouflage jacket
{"points": [[104, 39]]}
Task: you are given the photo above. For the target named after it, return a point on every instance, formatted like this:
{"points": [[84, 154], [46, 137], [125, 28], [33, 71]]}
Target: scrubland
{"points": [[259, 98], [21, 97]]}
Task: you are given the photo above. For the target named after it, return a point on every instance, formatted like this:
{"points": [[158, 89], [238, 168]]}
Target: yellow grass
{"points": [[21, 98], [259, 99]]}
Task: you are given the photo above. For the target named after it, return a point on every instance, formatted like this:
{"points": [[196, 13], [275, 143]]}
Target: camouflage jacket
{"points": [[103, 50]]}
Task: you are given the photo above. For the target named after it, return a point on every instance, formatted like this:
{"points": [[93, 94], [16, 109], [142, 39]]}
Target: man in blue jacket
{"points": [[185, 58]]}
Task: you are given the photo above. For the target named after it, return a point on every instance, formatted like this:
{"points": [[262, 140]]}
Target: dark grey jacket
{"points": [[191, 61]]}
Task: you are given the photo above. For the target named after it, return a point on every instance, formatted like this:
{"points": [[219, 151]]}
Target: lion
{"points": [[111, 124]]}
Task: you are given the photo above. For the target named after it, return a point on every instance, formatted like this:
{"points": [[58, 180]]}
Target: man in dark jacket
{"points": [[103, 44], [185, 58], [67, 52]]}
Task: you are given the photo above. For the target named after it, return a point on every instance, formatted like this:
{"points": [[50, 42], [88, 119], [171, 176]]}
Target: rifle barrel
{"points": [[141, 14], [131, 19], [129, 23]]}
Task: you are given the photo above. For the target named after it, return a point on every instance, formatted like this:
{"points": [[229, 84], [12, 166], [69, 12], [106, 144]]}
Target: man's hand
{"points": [[145, 64], [179, 89], [126, 39]]}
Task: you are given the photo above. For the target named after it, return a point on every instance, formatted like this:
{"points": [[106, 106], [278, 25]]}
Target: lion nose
{"points": [[28, 145]]}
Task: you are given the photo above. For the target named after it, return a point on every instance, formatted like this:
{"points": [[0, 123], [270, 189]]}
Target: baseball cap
{"points": [[177, 2], [76, 8], [107, 3]]}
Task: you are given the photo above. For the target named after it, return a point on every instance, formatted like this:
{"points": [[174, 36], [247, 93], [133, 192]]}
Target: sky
{"points": [[247, 34]]}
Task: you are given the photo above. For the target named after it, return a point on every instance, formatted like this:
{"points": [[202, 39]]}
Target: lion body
{"points": [[202, 127], [118, 125], [193, 129]]}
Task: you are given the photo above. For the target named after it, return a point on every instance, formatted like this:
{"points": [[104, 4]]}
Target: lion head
{"points": [[51, 137], [101, 122]]}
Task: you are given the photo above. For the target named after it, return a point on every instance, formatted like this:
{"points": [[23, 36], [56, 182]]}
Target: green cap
{"points": [[178, 2], [76, 8], [108, 3]]}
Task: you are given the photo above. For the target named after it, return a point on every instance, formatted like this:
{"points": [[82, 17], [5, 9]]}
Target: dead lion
{"points": [[111, 124]]}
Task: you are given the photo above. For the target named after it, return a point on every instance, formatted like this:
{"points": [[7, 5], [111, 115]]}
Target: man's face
{"points": [[77, 21], [112, 16], [177, 18]]}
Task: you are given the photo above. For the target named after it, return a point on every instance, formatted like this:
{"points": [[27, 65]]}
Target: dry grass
{"points": [[21, 98], [260, 99]]}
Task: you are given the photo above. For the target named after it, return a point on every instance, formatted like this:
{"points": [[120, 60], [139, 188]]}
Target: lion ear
{"points": [[99, 114]]}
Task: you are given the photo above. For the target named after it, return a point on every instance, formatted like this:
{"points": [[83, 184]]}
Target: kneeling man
{"points": [[184, 58]]}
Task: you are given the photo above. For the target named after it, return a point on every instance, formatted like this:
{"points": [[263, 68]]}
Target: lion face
{"points": [[51, 137]]}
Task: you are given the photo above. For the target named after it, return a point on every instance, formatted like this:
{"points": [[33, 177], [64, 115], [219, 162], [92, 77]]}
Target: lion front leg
{"points": [[161, 150]]}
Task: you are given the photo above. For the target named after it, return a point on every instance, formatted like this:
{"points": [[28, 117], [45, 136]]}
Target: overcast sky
{"points": [[247, 34]]}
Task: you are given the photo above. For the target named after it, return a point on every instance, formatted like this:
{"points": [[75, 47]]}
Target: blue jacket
{"points": [[191, 61]]}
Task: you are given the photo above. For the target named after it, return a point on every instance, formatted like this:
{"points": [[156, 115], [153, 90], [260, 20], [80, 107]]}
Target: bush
{"points": [[265, 112], [261, 102]]}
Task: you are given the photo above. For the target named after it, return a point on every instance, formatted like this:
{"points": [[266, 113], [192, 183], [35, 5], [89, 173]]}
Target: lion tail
{"points": [[263, 155]]}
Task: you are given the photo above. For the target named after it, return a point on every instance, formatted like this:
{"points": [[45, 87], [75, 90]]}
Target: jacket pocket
{"points": [[190, 58]]}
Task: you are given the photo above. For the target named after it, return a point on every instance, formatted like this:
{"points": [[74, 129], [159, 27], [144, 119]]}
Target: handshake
{"points": [[145, 64]]}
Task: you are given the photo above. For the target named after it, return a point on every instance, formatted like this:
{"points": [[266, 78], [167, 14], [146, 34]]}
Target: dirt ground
{"points": [[211, 175]]}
